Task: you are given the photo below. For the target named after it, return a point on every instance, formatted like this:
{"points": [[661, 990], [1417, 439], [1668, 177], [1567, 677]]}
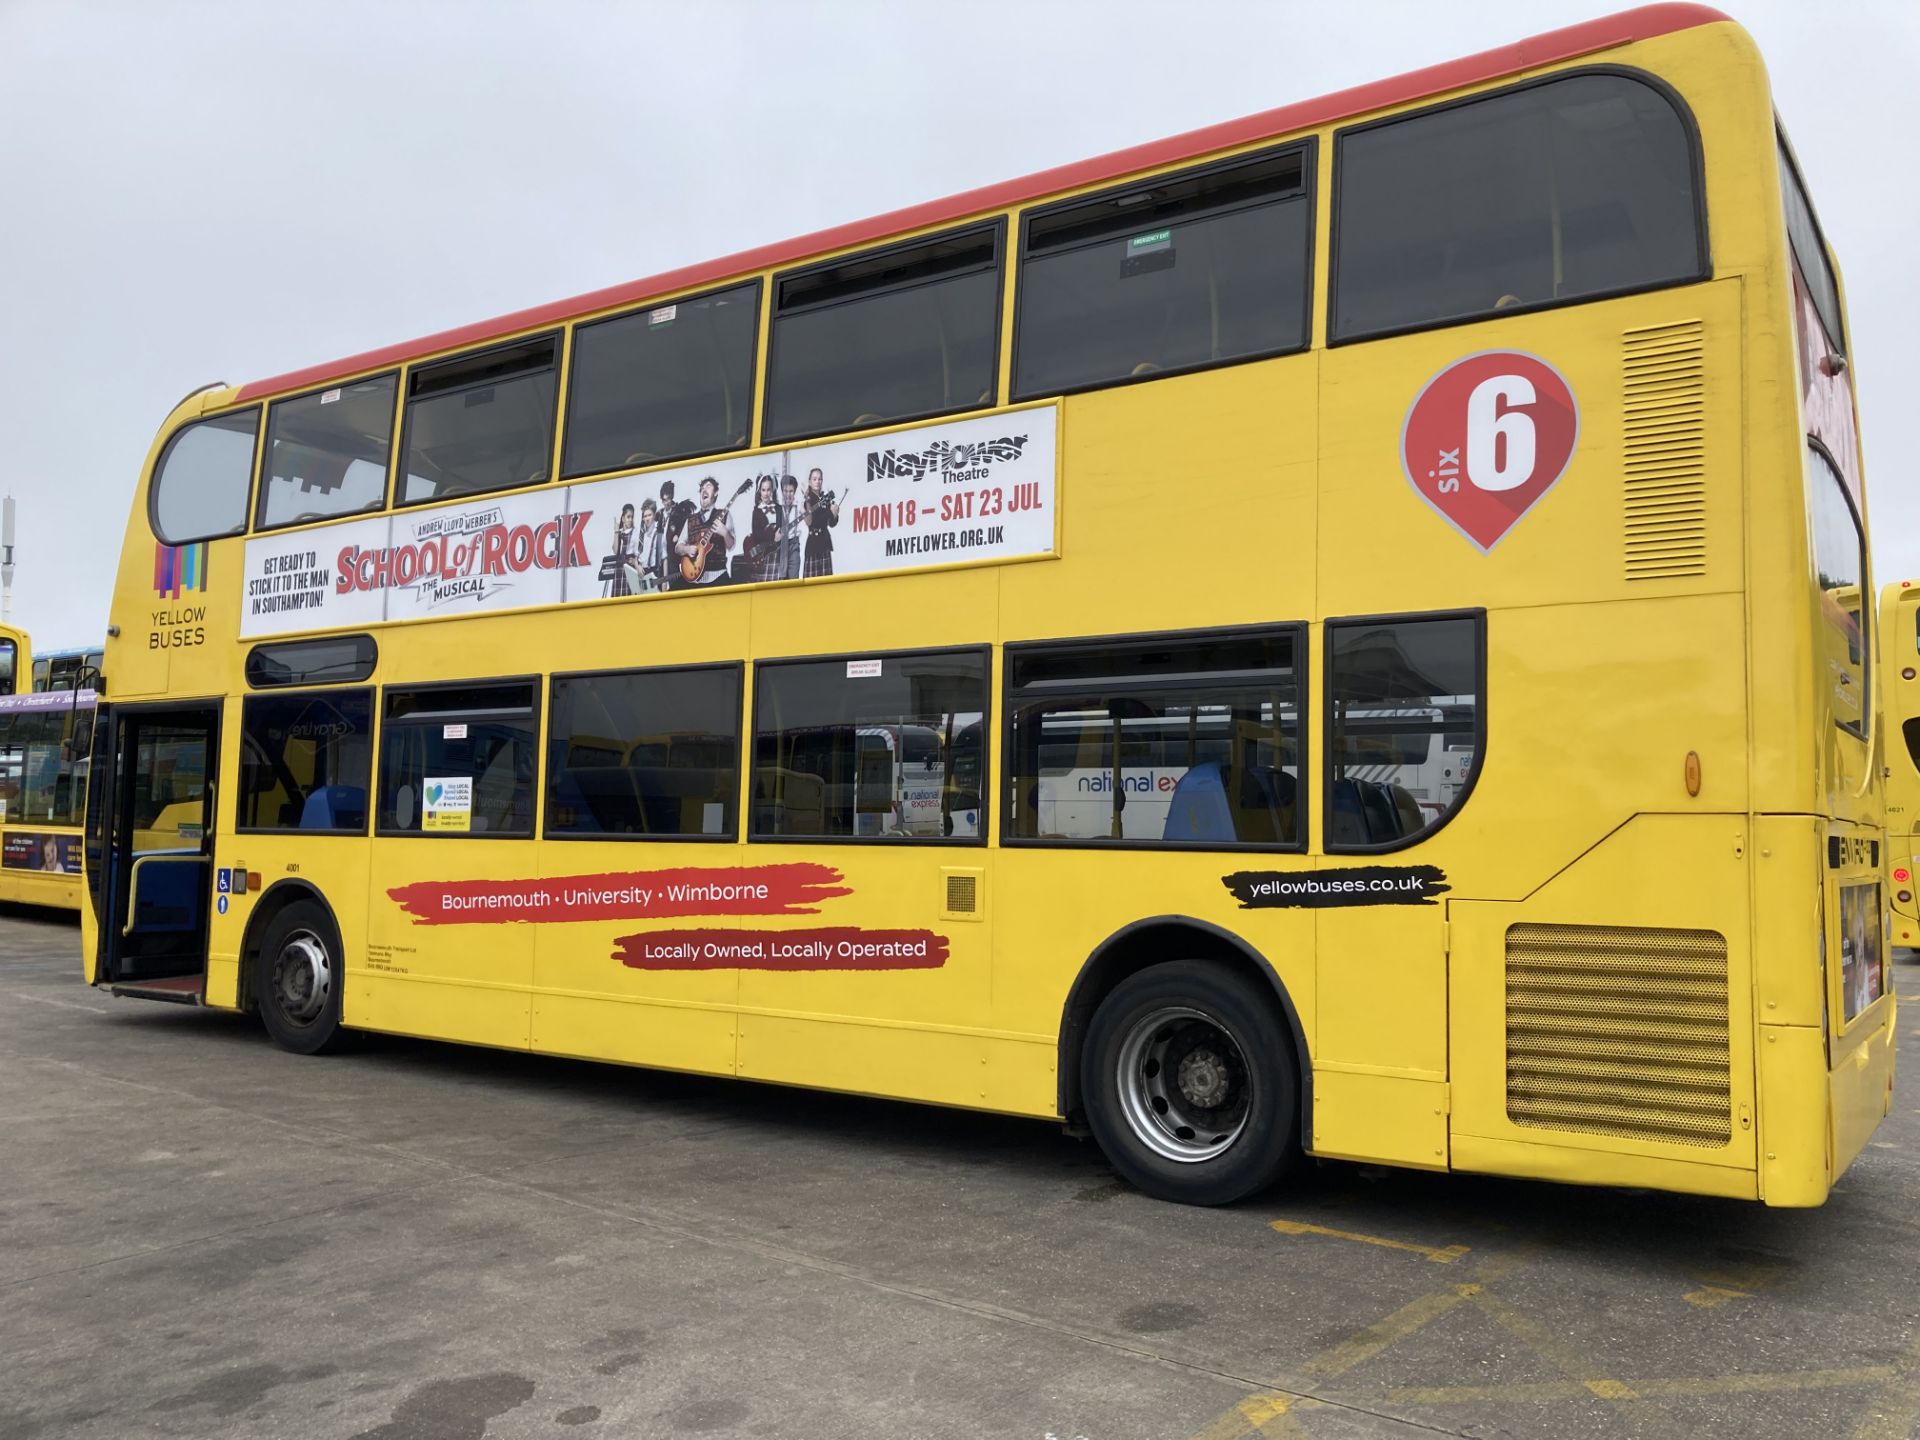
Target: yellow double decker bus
{"points": [[1899, 638], [46, 735], [1327, 634]]}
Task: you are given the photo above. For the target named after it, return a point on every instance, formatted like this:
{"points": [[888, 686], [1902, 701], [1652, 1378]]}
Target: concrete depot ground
{"points": [[203, 1236]]}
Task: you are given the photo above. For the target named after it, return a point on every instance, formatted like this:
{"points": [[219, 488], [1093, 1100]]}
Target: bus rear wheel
{"points": [[297, 980], [1190, 1083]]}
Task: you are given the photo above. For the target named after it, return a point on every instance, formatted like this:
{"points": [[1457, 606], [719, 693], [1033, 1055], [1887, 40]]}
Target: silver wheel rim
{"points": [[1186, 1089], [302, 978]]}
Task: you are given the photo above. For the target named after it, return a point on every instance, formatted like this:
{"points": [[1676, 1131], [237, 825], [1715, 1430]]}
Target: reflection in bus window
{"points": [[905, 333], [663, 383], [1167, 740], [327, 453], [458, 760], [43, 763], [1578, 187], [1180, 272], [869, 748], [1839, 555], [1404, 727], [480, 422], [645, 754], [9, 658], [305, 761]]}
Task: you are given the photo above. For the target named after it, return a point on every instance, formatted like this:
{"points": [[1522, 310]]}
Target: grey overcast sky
{"points": [[197, 191]]}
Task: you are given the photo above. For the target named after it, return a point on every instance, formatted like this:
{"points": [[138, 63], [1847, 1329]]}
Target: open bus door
{"points": [[150, 837]]}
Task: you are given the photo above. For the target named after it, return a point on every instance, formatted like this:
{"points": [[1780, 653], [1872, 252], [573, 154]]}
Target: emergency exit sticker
{"points": [[1486, 438]]}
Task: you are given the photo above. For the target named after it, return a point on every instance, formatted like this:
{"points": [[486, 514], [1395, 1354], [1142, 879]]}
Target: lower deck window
{"points": [[885, 747], [1404, 727], [458, 760], [1185, 740], [645, 754], [305, 761]]}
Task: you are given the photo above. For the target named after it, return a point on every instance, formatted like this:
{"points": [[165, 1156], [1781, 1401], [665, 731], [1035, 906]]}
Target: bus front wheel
{"points": [[297, 980], [1190, 1084]]}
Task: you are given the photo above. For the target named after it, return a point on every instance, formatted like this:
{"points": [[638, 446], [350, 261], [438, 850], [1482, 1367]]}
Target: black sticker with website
{"points": [[1328, 889]]}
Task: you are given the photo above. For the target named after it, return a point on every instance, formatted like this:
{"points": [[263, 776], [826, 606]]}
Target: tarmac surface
{"points": [[201, 1235]]}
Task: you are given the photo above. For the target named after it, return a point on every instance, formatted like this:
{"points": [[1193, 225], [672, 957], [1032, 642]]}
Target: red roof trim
{"points": [[1642, 24]]}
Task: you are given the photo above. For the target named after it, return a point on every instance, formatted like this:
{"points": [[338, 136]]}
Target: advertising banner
{"points": [[30, 850], [942, 493]]}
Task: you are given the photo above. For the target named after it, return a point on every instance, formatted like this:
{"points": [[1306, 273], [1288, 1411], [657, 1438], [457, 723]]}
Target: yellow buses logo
{"points": [[178, 569]]}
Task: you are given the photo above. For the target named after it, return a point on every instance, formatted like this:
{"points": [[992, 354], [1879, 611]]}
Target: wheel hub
{"points": [[302, 978], [1204, 1078], [1185, 1086]]}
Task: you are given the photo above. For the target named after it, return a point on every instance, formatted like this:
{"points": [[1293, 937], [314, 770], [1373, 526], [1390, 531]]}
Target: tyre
{"points": [[296, 980], [1190, 1083]]}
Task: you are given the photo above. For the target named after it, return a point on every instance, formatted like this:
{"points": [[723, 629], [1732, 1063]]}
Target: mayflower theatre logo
{"points": [[178, 569], [953, 463]]}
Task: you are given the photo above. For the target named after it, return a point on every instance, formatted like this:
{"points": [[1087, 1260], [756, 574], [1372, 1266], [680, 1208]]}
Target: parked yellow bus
{"points": [[45, 742], [795, 667], [1900, 739], [16, 661]]}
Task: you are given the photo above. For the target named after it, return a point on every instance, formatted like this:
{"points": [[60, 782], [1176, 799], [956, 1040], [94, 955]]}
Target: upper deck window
{"points": [[1565, 190], [1177, 273], [480, 422], [900, 334], [200, 485], [1810, 249], [327, 453], [663, 383]]}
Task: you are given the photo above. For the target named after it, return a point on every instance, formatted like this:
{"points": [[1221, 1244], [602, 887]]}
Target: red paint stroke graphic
{"points": [[795, 889], [843, 947], [1486, 438]]}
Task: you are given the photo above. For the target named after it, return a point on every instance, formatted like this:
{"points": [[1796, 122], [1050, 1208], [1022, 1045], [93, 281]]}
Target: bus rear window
{"points": [[899, 334], [869, 747], [327, 453], [1178, 273], [662, 384], [480, 422], [1163, 740], [1564, 190], [201, 484]]}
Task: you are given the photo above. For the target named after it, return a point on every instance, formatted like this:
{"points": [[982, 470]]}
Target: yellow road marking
{"points": [[1713, 1295], [1358, 1349], [1895, 1407], [1660, 1389], [1265, 1414], [1270, 1412], [1548, 1347], [1441, 1255]]}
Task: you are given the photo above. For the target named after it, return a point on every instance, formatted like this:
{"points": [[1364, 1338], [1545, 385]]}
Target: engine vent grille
{"points": [[1664, 472], [1614, 1031]]}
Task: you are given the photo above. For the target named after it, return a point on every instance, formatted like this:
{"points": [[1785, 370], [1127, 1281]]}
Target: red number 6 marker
{"points": [[1486, 438]]}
